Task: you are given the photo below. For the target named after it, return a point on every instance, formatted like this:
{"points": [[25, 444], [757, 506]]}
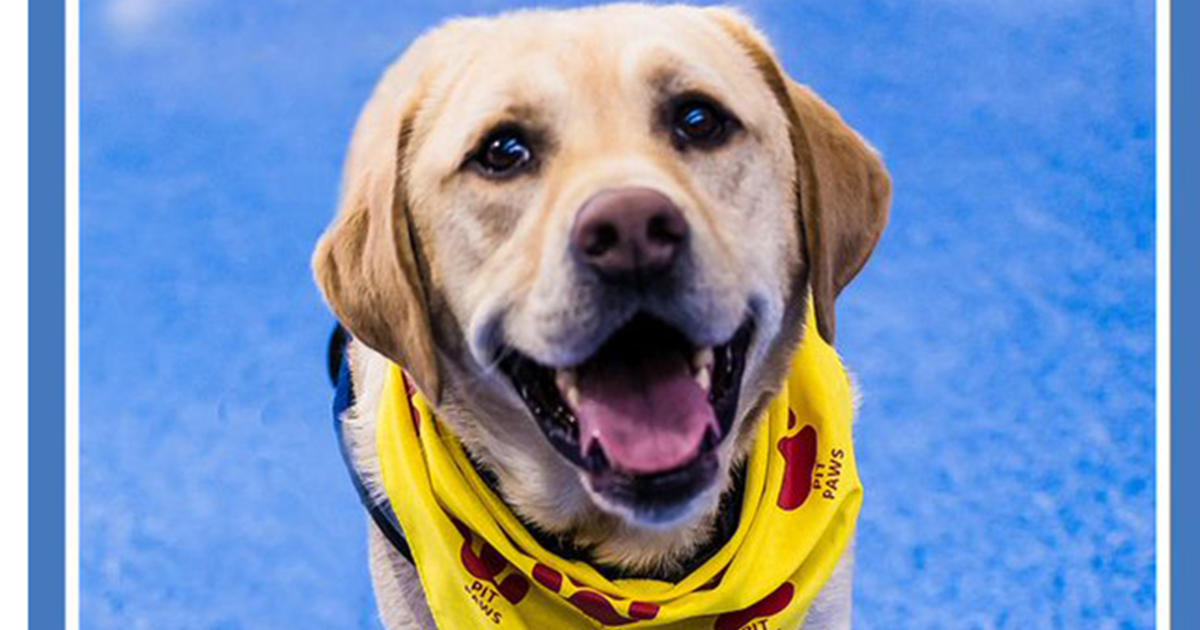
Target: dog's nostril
{"points": [[601, 239], [667, 229]]}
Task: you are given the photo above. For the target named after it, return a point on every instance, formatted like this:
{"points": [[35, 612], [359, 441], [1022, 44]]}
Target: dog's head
{"points": [[591, 235]]}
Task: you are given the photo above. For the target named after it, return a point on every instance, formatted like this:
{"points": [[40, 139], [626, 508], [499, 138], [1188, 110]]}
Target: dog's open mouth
{"points": [[643, 415]]}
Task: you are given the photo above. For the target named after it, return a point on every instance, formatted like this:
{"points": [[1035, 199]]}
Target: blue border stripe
{"points": [[46, 312], [1185, 314]]}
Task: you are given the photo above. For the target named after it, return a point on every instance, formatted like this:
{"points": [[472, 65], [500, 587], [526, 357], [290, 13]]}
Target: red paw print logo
{"points": [[799, 457], [765, 607], [488, 564], [593, 603]]}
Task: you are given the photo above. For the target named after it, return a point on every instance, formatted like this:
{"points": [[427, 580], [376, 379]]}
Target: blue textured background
{"points": [[1003, 334]]}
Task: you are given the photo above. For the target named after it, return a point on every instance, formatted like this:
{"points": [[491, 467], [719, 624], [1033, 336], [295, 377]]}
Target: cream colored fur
{"points": [[431, 265]]}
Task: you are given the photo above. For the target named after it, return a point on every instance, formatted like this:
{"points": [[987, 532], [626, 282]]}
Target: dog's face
{"points": [[591, 234]]}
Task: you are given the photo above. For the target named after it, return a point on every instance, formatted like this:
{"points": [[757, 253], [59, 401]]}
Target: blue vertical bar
{"points": [[1185, 314], [46, 313]]}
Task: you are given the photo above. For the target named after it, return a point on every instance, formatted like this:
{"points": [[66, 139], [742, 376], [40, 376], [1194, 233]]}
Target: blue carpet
{"points": [[1003, 333]]}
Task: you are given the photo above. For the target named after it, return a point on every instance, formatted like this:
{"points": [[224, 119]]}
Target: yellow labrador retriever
{"points": [[615, 208]]}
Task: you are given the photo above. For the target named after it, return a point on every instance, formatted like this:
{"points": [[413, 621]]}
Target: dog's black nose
{"points": [[628, 232]]}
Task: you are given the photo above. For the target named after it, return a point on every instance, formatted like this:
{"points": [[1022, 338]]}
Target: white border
{"points": [[14, 265], [1162, 310], [71, 361]]}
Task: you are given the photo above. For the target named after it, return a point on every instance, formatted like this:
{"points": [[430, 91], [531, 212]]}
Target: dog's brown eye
{"points": [[503, 152], [697, 122]]}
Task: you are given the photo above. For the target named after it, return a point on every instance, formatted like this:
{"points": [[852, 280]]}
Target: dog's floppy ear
{"points": [[365, 263], [843, 190]]}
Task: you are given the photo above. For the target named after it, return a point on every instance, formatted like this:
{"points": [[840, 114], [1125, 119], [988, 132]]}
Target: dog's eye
{"points": [[504, 152], [700, 123]]}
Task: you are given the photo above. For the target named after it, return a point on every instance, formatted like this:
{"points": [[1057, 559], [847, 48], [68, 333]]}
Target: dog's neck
{"points": [[719, 526]]}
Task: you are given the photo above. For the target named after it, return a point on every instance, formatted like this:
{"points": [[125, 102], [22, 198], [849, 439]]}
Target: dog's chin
{"points": [[667, 501], [642, 420]]}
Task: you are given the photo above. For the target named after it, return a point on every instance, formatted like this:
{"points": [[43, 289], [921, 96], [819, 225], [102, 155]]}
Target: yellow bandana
{"points": [[480, 567]]}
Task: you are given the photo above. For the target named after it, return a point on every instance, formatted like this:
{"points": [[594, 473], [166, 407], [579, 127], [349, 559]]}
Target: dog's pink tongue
{"points": [[647, 413]]}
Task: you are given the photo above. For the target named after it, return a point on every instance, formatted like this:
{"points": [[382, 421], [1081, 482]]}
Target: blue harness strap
{"points": [[343, 399]]}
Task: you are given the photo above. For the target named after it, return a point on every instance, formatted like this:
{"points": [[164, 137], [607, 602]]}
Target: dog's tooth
{"points": [[704, 378], [567, 386], [565, 379], [572, 396], [702, 359]]}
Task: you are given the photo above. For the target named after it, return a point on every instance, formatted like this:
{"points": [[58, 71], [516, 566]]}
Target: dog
{"points": [[588, 204]]}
